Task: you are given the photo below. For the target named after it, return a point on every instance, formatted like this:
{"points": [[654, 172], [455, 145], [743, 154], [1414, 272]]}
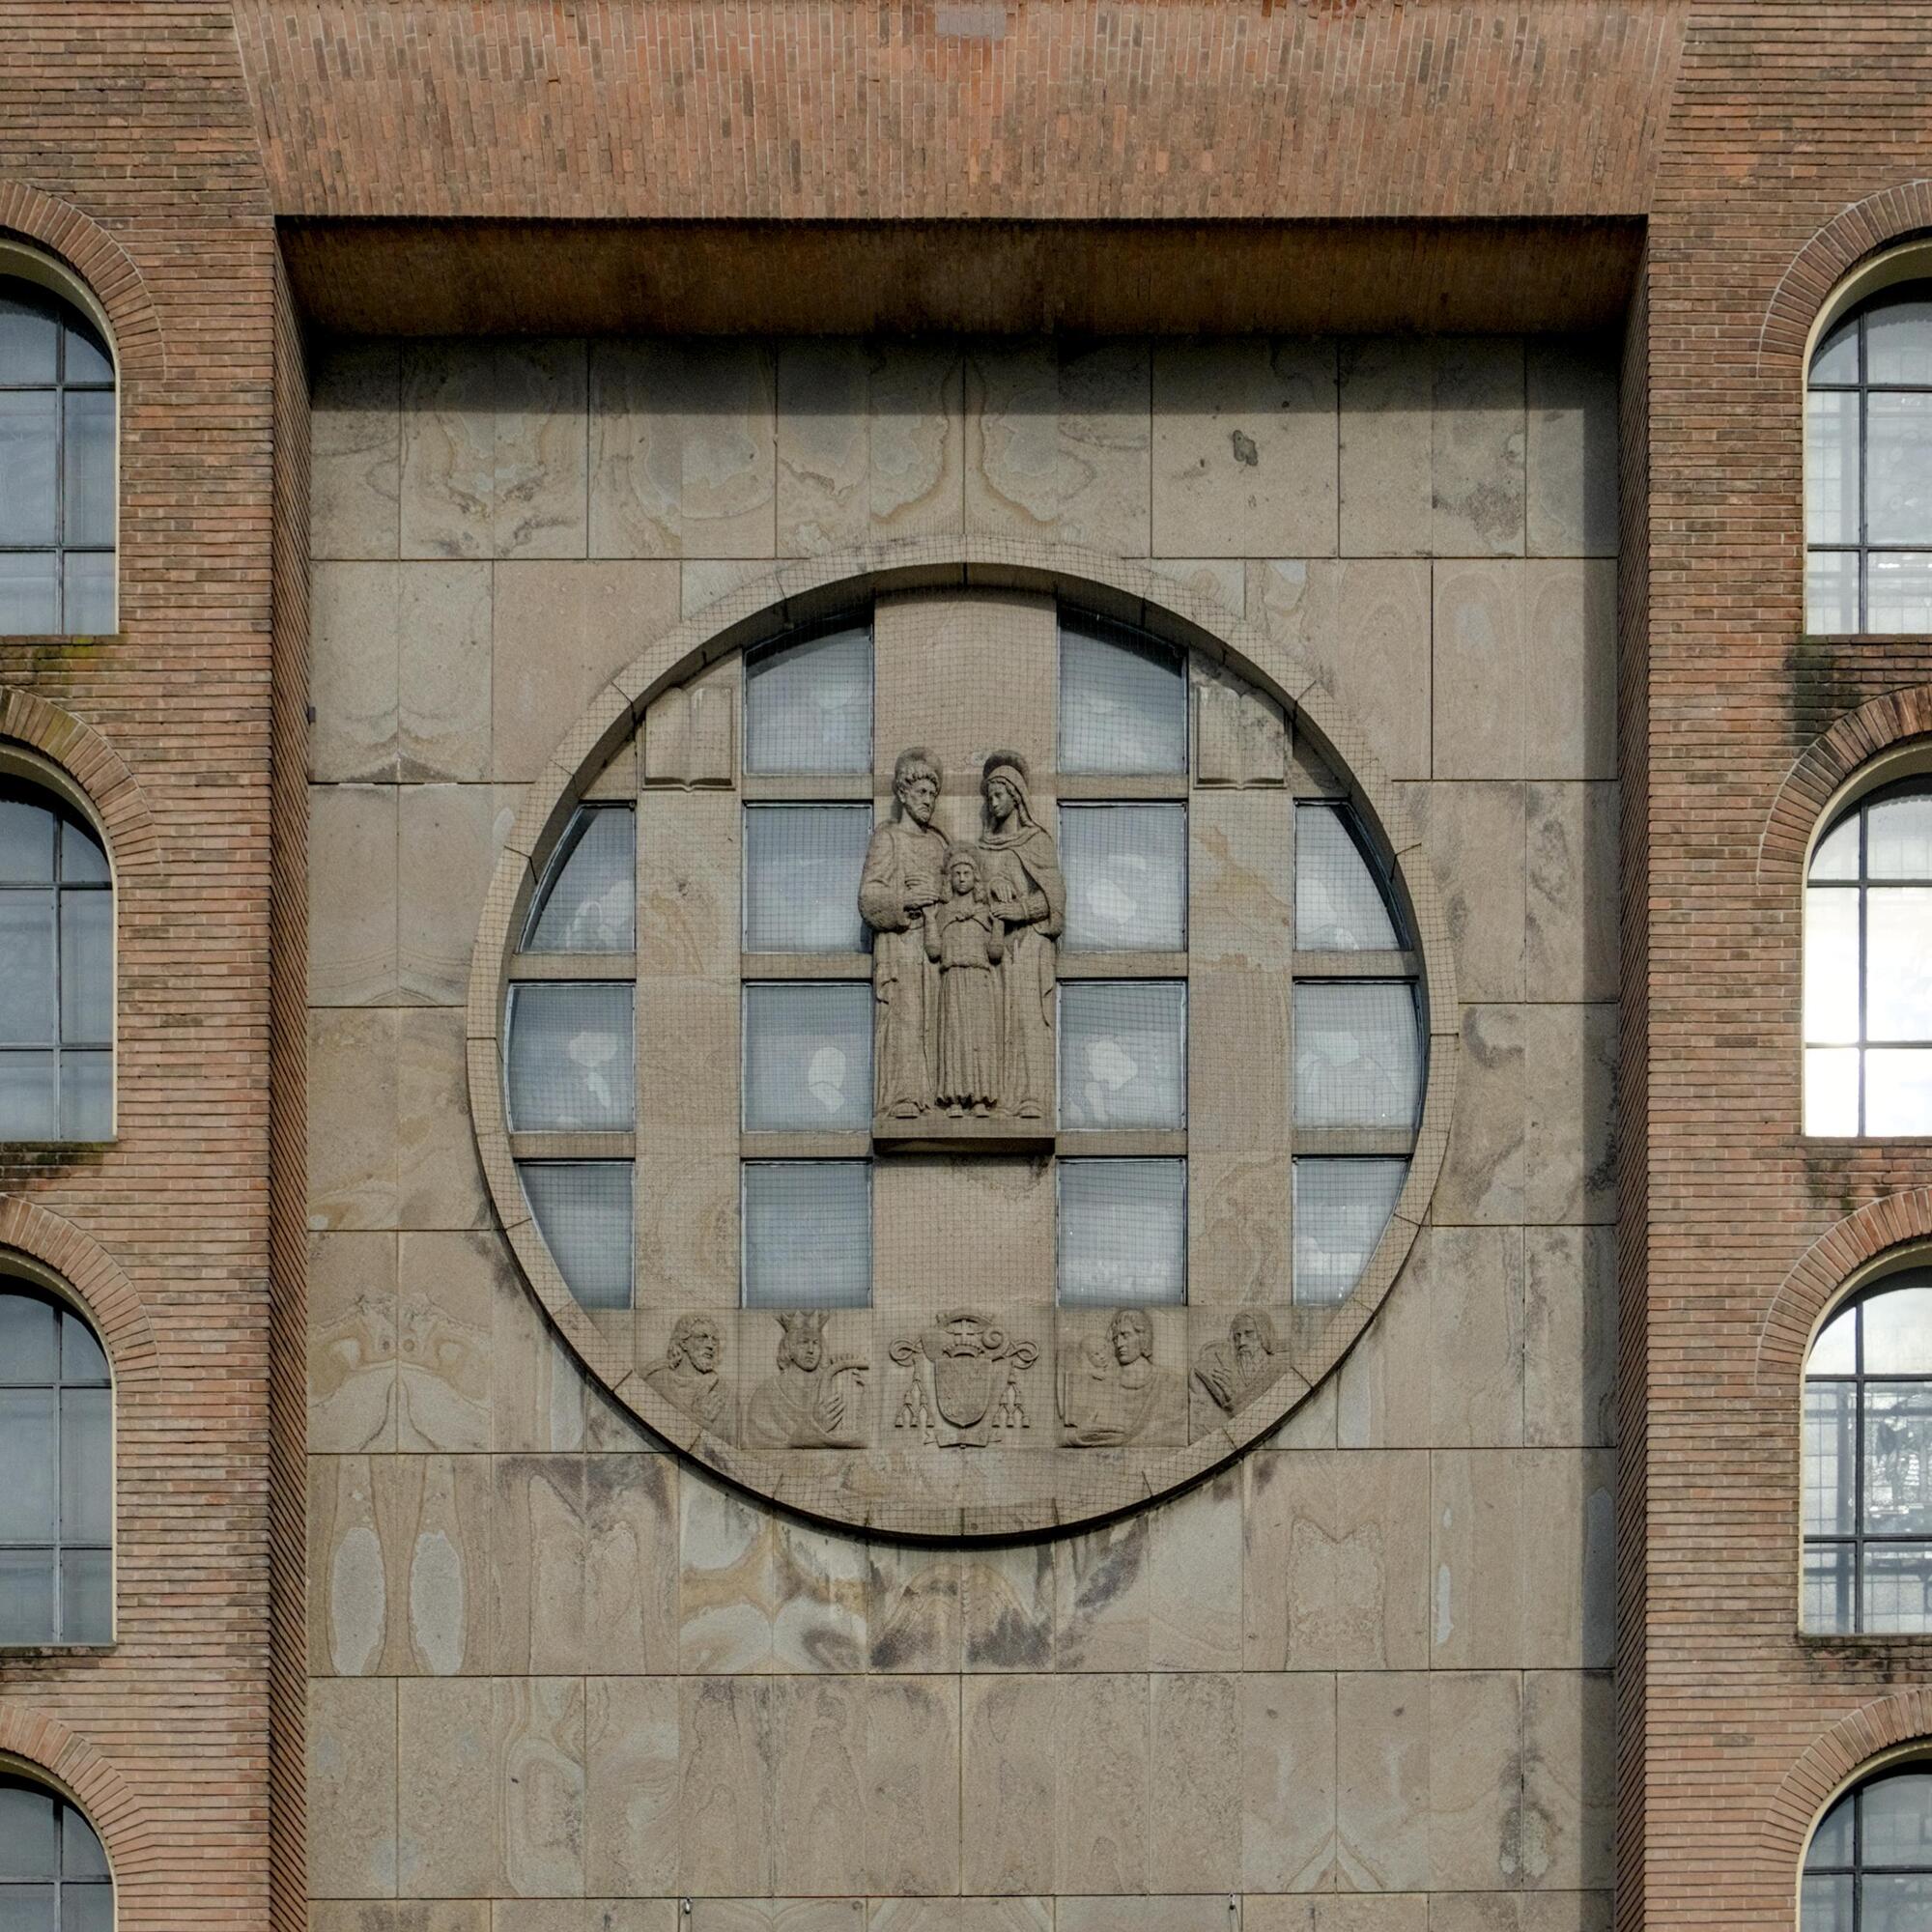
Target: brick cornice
{"points": [[1862, 228], [94, 765], [42, 1742], [1817, 1777], [102, 264]]}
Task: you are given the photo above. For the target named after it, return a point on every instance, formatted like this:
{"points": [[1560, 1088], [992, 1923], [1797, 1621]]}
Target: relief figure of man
{"points": [[686, 1374], [1245, 1365], [905, 864], [814, 1401], [1029, 899], [1115, 1392]]}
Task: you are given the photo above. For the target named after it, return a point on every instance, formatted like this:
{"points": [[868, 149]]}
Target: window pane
{"points": [[1899, 838], [1898, 343], [1837, 360], [29, 487], [29, 337], [1123, 1231], [26, 1596], [1357, 1056], [807, 1233], [87, 1096], [1837, 854], [87, 605], [1832, 1842], [802, 868], [1899, 1461], [1123, 1053], [1832, 1089], [87, 1466], [1897, 1819], [87, 1597], [1835, 1351], [82, 1856], [573, 1063], [87, 968], [809, 705], [1832, 593], [1829, 1459], [1338, 902], [87, 1907], [1829, 1594], [1127, 877], [28, 1848], [88, 454], [1898, 468], [1898, 1090], [1898, 982], [27, 1109], [1123, 701], [1897, 1590], [87, 358], [1898, 1332], [26, 1339], [1894, 1902], [1830, 965], [1827, 1904], [27, 1908], [27, 843], [591, 902], [81, 1358], [807, 1057], [1898, 591], [27, 1454], [26, 967], [1831, 467], [582, 1209], [1341, 1208]]}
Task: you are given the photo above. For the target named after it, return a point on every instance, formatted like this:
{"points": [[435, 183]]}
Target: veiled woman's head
{"points": [[1002, 784]]}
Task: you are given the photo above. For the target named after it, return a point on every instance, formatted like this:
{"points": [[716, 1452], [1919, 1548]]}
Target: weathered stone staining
{"points": [[814, 1400], [1111, 1391], [687, 1376], [964, 1382]]}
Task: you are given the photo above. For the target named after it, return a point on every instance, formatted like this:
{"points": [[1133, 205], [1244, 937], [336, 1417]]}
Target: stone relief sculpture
{"points": [[812, 1401], [964, 1387], [1247, 1364], [1111, 1391], [966, 940], [1029, 896], [686, 1374], [905, 864]]}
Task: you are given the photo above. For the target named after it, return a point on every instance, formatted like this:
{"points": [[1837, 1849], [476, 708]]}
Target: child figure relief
{"points": [[966, 940]]}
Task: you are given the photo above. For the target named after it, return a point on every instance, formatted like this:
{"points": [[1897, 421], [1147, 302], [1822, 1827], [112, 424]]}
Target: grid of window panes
{"points": [[57, 1501], [56, 972], [57, 508], [1867, 1462], [1360, 1051], [53, 1872], [1869, 968], [1868, 469], [1868, 1867]]}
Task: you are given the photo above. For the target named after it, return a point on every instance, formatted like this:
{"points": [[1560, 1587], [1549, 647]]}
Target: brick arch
{"points": [[1821, 1274], [1831, 1763], [102, 264], [1880, 220], [1822, 771], [109, 1297], [84, 1773], [94, 766]]}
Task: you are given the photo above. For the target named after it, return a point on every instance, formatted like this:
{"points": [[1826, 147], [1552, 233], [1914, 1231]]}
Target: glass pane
{"points": [[809, 705], [1894, 1902], [1831, 467], [27, 843], [1123, 701], [1899, 1461], [1898, 468], [1898, 950], [87, 1466], [87, 968], [26, 1599], [1898, 1090], [82, 860], [29, 337], [88, 453], [1825, 1904], [26, 966], [87, 1597], [807, 1233], [28, 1847], [1341, 1208], [1832, 1842], [27, 1453], [1123, 1231], [1898, 1331], [1832, 593], [1898, 1594], [1123, 1053], [1836, 1351], [87, 1096], [27, 1341], [807, 1057], [1829, 1459], [1338, 902], [1837, 854], [26, 593], [573, 1061], [1897, 1819], [87, 1907], [1898, 591], [1831, 964], [87, 357], [591, 902], [81, 1356], [1127, 877], [582, 1209], [802, 868], [82, 1856], [1357, 1056], [1832, 1089], [27, 1109], [87, 607], [1898, 837], [1898, 342], [29, 486], [1829, 1594]]}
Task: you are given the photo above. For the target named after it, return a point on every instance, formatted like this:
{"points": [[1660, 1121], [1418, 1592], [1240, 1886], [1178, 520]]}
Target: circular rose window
{"points": [[960, 1059]]}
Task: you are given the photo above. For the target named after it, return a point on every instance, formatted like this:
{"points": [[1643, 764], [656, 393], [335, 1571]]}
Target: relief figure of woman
{"points": [[1028, 897]]}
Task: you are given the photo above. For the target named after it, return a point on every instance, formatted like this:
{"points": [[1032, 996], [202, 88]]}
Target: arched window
{"points": [[53, 1872], [1868, 967], [56, 971], [1869, 1866], [57, 481], [1867, 1462]]}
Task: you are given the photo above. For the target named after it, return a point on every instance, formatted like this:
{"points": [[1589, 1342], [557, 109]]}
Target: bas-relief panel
{"points": [[1399, 1752]]}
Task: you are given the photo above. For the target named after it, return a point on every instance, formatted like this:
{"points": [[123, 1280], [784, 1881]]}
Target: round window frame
{"points": [[765, 606]]}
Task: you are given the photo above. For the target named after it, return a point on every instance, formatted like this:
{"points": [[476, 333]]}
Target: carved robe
{"points": [[699, 1392], [803, 1408], [1104, 1404], [904, 857], [1029, 895]]}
